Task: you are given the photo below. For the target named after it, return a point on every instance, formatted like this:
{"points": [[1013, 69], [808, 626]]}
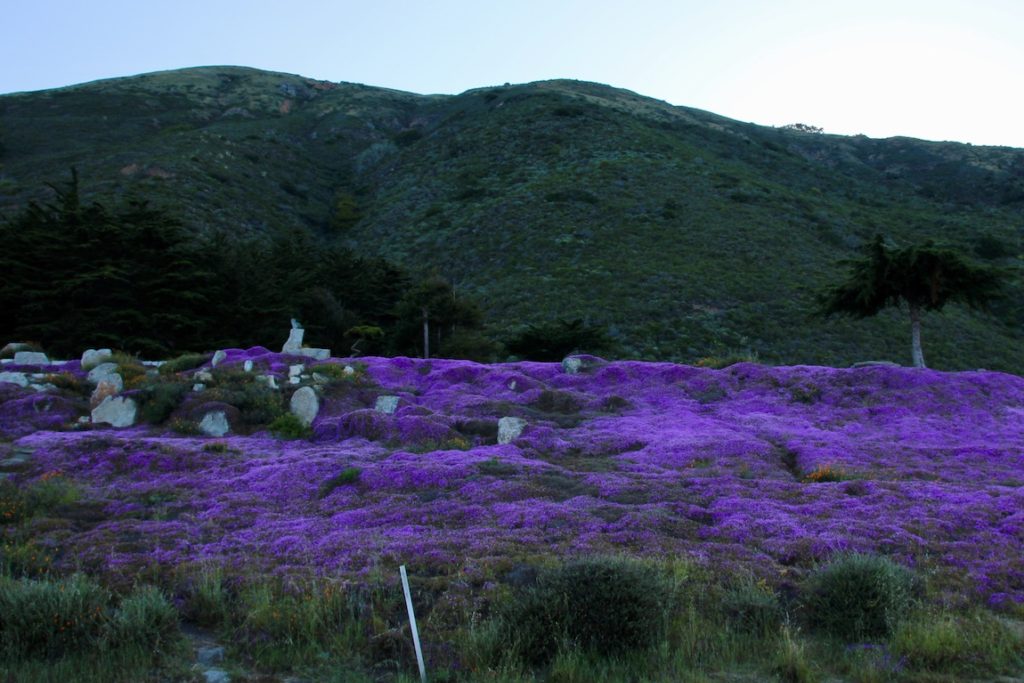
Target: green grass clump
{"points": [[753, 607], [282, 630], [46, 619], [48, 625], [206, 598], [145, 619], [974, 644], [791, 663], [859, 597], [607, 605], [184, 362], [347, 477], [288, 426]]}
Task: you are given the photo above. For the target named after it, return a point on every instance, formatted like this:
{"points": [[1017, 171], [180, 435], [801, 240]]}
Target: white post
{"points": [[412, 623]]}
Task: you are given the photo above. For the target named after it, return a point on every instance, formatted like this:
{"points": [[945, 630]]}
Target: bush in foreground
{"points": [[858, 597], [608, 605]]}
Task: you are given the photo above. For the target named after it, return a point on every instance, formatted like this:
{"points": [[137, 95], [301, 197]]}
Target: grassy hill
{"points": [[686, 234]]}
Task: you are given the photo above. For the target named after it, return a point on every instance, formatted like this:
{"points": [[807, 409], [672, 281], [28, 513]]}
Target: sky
{"points": [[930, 69]]}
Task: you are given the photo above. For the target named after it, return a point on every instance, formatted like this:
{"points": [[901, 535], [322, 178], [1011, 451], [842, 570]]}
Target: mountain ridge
{"points": [[683, 232]]}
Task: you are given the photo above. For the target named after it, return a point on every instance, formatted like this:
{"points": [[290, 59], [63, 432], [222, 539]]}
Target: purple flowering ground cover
{"points": [[750, 468]]}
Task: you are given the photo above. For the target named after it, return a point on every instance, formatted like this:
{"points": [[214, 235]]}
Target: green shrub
{"points": [[607, 605], [50, 491], [69, 382], [859, 597], [185, 427], [186, 361], [47, 619], [727, 359], [288, 426], [131, 369], [159, 400], [347, 477], [257, 403]]}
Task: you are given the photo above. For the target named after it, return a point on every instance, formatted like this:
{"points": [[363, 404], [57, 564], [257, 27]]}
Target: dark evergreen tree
{"points": [[923, 277], [432, 318], [79, 275]]}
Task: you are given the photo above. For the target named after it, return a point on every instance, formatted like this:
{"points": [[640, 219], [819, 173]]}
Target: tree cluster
{"points": [[77, 275]]}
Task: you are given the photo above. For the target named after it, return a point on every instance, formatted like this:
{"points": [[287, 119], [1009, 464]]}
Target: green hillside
{"points": [[684, 233]]}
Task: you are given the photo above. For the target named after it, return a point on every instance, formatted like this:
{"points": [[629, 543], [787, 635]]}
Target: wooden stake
{"points": [[412, 623]]}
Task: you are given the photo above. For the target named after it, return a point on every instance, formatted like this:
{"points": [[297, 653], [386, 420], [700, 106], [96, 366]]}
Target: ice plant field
{"points": [[764, 472]]}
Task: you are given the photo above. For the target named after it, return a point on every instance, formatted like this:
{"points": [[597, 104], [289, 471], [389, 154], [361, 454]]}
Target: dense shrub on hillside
{"points": [[553, 341]]}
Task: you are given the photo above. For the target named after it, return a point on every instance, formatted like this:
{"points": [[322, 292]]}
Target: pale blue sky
{"points": [[934, 69]]}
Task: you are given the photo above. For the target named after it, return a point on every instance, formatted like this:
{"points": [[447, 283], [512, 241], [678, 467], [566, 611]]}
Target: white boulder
{"points": [[305, 405], [30, 358], [509, 429], [386, 404], [215, 423], [115, 411], [93, 357]]}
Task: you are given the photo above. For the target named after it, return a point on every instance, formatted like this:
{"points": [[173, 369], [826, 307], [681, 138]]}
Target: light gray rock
{"points": [[294, 380], [573, 365], [198, 387], [315, 354], [216, 676], [320, 379], [19, 378], [349, 370], [295, 370], [305, 405], [113, 383], [31, 358], [42, 387], [294, 343], [386, 404], [218, 358], [247, 366], [101, 372], [13, 347], [203, 376], [269, 380], [208, 656], [93, 357], [509, 429], [115, 411], [20, 459], [215, 423]]}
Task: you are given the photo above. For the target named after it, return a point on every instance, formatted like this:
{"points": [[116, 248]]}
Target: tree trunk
{"points": [[426, 333], [915, 337]]}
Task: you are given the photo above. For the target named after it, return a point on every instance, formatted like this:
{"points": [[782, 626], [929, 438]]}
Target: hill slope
{"points": [[684, 232]]}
